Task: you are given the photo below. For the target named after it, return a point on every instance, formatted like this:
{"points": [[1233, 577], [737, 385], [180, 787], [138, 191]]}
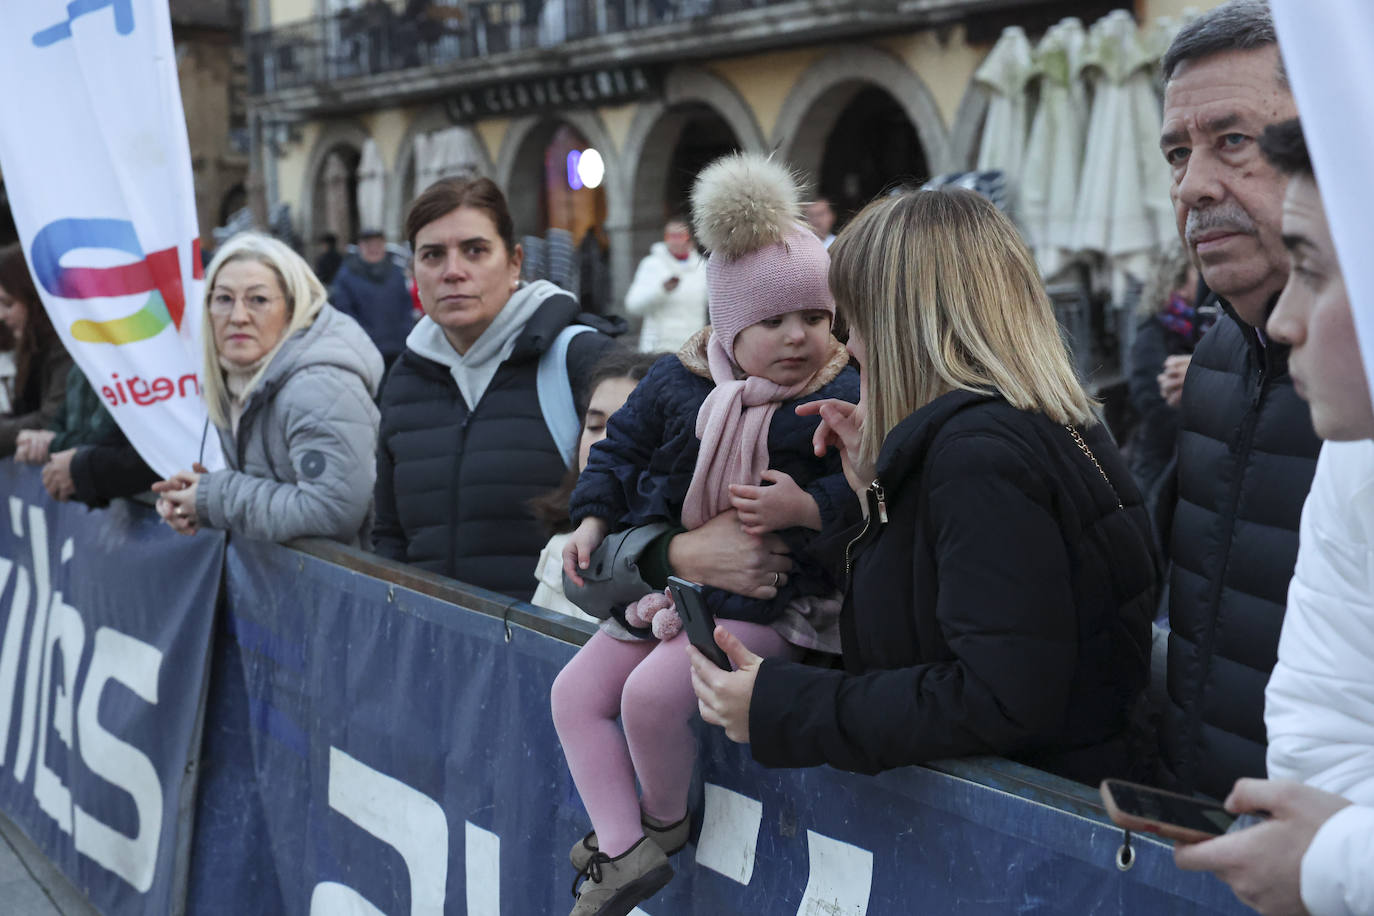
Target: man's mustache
{"points": [[1223, 218]]}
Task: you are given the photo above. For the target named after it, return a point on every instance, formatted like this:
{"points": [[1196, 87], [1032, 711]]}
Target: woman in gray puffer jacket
{"points": [[289, 383]]}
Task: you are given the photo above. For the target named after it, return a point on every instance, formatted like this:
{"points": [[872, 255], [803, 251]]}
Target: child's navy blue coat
{"points": [[641, 471]]}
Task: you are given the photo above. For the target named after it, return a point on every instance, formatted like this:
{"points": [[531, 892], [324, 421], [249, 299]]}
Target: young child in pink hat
{"points": [[709, 429]]}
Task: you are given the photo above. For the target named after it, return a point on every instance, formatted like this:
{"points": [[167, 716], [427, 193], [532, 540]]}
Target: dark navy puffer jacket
{"points": [[641, 471], [1246, 456], [453, 485], [376, 296]]}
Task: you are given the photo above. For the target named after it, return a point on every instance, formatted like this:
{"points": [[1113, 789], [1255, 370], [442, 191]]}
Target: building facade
{"points": [[354, 106]]}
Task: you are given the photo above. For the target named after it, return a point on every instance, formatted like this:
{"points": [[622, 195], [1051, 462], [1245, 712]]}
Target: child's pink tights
{"points": [[649, 685]]}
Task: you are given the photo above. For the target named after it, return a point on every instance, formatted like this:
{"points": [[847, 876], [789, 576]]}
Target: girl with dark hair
{"points": [[41, 362], [609, 386]]}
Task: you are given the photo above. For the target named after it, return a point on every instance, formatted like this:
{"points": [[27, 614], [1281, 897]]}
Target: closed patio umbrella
{"points": [[1004, 75], [1054, 152]]}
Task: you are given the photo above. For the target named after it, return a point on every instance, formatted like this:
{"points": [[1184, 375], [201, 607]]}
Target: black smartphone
{"points": [[697, 620], [1168, 814]]}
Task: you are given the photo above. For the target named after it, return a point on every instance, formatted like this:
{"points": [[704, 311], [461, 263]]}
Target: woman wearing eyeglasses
{"points": [[289, 382]]}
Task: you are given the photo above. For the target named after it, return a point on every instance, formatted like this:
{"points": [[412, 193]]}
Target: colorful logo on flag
{"points": [[158, 274]]}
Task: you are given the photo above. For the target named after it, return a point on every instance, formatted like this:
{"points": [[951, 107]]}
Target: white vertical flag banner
{"points": [[95, 158], [1326, 53]]}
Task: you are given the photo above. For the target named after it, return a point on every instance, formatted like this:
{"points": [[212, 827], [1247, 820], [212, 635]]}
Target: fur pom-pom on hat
{"points": [[743, 202]]}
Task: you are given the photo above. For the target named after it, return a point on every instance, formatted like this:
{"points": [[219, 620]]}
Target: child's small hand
{"points": [[577, 553], [782, 505]]}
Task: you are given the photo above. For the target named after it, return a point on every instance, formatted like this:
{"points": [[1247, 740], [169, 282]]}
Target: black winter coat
{"points": [[1246, 456], [641, 471], [453, 486], [1003, 608]]}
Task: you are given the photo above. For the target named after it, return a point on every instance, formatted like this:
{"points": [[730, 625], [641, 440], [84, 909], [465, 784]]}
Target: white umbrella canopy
{"points": [[371, 186], [1004, 74], [1123, 211], [453, 151], [1054, 152], [1326, 52]]}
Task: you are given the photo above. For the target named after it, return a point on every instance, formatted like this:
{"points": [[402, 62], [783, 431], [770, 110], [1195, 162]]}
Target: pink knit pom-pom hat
{"points": [[764, 262]]}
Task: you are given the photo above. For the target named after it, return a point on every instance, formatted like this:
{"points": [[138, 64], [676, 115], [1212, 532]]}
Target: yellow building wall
{"points": [[617, 120], [945, 65], [287, 11], [291, 168], [388, 127], [1149, 9], [764, 80], [493, 133]]}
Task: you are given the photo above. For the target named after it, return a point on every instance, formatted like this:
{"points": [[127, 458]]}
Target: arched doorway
{"points": [[335, 199], [858, 143], [685, 139]]}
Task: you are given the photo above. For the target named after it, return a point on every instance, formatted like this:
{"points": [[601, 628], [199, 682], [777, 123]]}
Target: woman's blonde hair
{"points": [[945, 297], [305, 296]]}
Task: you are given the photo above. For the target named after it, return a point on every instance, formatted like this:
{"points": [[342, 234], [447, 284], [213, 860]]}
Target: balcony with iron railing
{"points": [[381, 37]]}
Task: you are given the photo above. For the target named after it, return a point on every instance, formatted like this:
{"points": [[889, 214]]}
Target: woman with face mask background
{"points": [[289, 383]]}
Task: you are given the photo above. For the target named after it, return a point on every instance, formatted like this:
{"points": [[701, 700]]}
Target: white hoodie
{"points": [[669, 317], [1319, 705]]}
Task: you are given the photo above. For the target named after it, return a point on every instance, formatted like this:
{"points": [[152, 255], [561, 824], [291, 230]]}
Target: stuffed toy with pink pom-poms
{"points": [[657, 612]]}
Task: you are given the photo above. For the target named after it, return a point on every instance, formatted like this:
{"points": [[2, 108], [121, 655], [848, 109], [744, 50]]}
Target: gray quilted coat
{"points": [[303, 462]]}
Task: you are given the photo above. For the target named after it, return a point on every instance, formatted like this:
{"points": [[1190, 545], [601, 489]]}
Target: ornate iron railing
{"points": [[383, 37]]}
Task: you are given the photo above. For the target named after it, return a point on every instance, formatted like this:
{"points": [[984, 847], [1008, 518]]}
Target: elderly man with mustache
{"points": [[1246, 448]]}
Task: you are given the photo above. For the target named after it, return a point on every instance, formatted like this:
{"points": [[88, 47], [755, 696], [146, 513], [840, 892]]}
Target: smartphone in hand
{"points": [[1167, 814], [697, 620]]}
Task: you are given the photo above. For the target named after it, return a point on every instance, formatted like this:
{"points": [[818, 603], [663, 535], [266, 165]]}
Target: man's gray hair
{"points": [[1240, 25]]}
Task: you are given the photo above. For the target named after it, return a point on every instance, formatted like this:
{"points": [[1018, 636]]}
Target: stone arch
{"points": [[649, 147], [348, 134], [427, 121], [827, 86], [522, 154], [968, 128]]}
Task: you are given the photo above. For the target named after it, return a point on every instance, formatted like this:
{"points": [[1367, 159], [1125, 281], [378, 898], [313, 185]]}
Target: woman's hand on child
{"points": [[773, 508], [577, 553], [724, 696], [842, 426], [723, 555]]}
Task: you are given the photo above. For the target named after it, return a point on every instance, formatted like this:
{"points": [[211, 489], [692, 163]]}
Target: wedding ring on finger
{"points": [[777, 577]]}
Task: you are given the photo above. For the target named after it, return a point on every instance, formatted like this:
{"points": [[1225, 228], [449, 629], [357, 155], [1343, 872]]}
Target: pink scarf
{"points": [[732, 425]]}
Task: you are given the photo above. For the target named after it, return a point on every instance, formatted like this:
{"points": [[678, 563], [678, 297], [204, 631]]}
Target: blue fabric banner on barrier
{"points": [[377, 751], [106, 627]]}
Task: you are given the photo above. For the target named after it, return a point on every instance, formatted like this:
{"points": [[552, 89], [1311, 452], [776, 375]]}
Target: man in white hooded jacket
{"points": [[669, 291], [1315, 852]]}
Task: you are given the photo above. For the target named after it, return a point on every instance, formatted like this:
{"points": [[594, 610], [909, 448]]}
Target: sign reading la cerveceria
{"points": [[606, 86]]}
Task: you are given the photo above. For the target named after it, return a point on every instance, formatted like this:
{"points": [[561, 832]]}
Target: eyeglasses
{"points": [[257, 303]]}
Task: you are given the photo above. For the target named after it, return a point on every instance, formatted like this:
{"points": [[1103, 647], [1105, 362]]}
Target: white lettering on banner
{"points": [[729, 833], [10, 648], [66, 629], [38, 541], [840, 879], [482, 869], [71, 708], [135, 664], [333, 899], [405, 819]]}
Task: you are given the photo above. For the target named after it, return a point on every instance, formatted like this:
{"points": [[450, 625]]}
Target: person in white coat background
{"points": [[1315, 852], [669, 290]]}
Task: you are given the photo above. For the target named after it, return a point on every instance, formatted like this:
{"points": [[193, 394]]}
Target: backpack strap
{"points": [[556, 394]]}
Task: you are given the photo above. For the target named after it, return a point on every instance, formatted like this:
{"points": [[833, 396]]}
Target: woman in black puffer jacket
{"points": [[1002, 584]]}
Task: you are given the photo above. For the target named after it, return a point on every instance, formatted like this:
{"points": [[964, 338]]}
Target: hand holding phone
{"points": [[697, 620], [1167, 814]]}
